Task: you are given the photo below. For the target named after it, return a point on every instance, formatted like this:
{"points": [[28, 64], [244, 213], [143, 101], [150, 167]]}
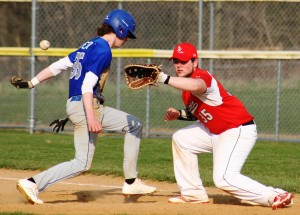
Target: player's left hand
{"points": [[59, 124], [141, 75]]}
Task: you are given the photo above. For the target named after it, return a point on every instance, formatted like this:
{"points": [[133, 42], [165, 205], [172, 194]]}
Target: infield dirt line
{"points": [[80, 184]]}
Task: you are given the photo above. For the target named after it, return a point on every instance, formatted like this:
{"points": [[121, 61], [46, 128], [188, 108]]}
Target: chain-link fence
{"points": [[270, 89]]}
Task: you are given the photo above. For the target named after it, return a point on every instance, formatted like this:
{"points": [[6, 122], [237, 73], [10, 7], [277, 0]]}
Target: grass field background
{"points": [[272, 163], [260, 99]]}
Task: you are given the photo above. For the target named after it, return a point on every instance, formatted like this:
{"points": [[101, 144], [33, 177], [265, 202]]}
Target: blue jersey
{"points": [[93, 56]]}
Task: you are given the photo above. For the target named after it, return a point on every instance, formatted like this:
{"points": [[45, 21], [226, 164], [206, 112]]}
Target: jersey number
{"points": [[77, 67], [205, 116]]}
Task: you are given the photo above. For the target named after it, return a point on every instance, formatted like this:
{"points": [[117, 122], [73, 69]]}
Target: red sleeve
{"points": [[204, 75]]}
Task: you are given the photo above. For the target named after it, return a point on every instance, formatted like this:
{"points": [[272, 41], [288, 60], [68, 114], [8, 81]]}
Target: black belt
{"points": [[248, 123]]}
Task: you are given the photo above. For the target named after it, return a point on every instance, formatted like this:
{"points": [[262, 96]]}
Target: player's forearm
{"points": [[182, 83], [188, 84], [40, 77], [87, 99], [45, 74], [93, 123]]}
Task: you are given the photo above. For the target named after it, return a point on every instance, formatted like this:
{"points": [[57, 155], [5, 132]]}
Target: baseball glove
{"points": [[20, 83], [140, 75]]}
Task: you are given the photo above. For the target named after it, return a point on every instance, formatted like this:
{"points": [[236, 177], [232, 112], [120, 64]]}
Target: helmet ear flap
{"points": [[122, 32]]}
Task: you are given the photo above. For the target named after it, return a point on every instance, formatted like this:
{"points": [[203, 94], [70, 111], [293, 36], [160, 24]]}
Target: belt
{"points": [[76, 98], [248, 123]]}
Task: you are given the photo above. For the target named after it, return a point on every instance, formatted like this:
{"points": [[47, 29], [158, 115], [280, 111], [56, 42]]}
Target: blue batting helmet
{"points": [[122, 22]]}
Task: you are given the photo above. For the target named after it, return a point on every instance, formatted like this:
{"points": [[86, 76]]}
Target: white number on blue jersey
{"points": [[77, 67], [86, 45]]}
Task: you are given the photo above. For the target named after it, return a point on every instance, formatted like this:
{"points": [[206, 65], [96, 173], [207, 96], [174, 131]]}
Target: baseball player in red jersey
{"points": [[224, 127]]}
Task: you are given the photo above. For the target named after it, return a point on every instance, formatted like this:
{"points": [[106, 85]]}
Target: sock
{"points": [[130, 181], [31, 179]]}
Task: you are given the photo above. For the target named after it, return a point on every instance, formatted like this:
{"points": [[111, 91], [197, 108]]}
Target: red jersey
{"points": [[217, 109]]}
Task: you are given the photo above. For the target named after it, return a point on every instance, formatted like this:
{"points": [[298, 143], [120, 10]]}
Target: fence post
{"points": [[119, 82], [119, 64], [200, 21], [147, 127], [32, 66], [211, 34], [277, 120]]}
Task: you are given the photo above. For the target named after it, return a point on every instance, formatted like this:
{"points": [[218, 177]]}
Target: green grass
{"points": [[259, 98], [271, 163]]}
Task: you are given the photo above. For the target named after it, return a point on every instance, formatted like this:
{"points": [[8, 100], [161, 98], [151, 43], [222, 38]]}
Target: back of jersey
{"points": [[93, 56]]}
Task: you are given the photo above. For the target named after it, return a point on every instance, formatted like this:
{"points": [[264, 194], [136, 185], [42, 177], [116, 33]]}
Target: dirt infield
{"points": [[88, 194]]}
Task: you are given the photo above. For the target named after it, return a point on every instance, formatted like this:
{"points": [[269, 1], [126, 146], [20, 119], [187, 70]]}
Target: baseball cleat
{"points": [[29, 190], [188, 199], [137, 188], [282, 200]]}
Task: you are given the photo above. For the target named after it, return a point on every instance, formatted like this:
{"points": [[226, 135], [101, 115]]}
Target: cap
{"points": [[184, 52]]}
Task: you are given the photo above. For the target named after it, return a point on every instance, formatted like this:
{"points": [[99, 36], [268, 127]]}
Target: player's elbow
{"points": [[198, 86]]}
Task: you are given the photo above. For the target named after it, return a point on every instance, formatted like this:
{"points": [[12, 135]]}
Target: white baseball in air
{"points": [[44, 44]]}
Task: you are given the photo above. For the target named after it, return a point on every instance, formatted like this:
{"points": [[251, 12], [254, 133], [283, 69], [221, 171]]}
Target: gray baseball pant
{"points": [[85, 143]]}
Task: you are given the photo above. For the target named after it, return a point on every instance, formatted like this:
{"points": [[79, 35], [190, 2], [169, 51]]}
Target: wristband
{"points": [[179, 113], [167, 80], [35, 81]]}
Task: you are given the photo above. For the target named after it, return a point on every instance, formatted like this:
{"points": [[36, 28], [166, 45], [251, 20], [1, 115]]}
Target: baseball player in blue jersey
{"points": [[90, 66]]}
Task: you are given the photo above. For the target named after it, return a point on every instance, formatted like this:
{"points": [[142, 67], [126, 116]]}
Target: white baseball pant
{"points": [[230, 150]]}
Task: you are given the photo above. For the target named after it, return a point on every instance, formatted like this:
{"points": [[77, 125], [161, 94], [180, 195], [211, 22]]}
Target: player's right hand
{"points": [[20, 83], [94, 125], [171, 114]]}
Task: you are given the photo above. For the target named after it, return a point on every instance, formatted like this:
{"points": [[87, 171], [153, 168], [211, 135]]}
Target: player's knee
{"points": [[135, 125], [223, 181], [82, 165], [178, 136]]}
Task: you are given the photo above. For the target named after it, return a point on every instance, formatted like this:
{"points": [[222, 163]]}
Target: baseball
{"points": [[44, 44]]}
